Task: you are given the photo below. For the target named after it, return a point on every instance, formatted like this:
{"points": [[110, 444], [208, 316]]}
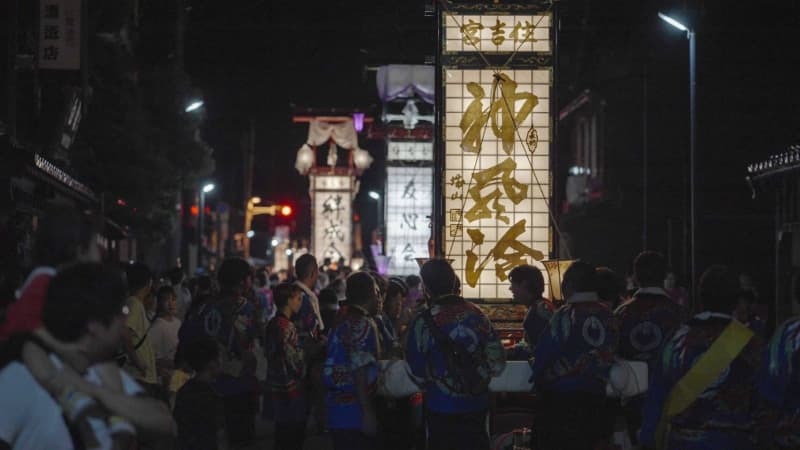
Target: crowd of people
{"points": [[100, 356]]}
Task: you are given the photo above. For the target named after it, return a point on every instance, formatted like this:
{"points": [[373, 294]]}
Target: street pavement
{"points": [[265, 438]]}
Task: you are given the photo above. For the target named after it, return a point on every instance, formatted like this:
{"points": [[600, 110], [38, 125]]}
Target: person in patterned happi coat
{"points": [[646, 322], [721, 416], [456, 412], [527, 286], [286, 371], [778, 419], [351, 369], [571, 363]]}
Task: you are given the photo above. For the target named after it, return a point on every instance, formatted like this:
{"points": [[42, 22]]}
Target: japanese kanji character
{"points": [[408, 252], [51, 11], [501, 174], [527, 32], [475, 118], [410, 220], [507, 253], [332, 205], [498, 34], [50, 53], [457, 181], [410, 190], [332, 252], [50, 32], [334, 231], [470, 31]]}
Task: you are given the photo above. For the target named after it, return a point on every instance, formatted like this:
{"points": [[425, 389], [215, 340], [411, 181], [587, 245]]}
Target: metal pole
{"points": [[380, 220], [692, 145], [200, 228], [248, 220], [438, 221], [11, 71], [644, 157]]}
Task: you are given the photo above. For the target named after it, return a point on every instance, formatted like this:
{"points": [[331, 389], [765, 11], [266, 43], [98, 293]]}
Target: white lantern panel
{"points": [[409, 204]]}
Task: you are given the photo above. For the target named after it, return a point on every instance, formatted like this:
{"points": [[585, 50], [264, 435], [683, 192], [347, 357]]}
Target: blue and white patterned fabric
{"points": [[779, 387], [352, 345], [575, 353], [721, 417], [468, 326]]}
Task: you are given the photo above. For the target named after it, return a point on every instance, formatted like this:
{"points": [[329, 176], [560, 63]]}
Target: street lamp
{"points": [[193, 105], [201, 216], [377, 197], [690, 35]]}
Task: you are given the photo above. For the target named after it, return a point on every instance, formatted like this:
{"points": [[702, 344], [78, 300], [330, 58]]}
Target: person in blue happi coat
{"points": [[527, 286], [571, 363], [778, 420], [646, 322], [711, 406]]}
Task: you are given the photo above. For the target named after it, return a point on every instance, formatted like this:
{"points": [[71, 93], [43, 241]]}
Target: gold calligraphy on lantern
{"points": [[512, 188], [496, 214], [470, 31], [504, 107], [497, 33], [527, 32], [507, 253]]}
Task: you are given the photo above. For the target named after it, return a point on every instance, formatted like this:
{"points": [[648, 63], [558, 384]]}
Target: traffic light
{"points": [[286, 211]]}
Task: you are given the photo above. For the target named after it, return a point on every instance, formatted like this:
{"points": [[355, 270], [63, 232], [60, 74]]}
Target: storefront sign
{"points": [[60, 34]]}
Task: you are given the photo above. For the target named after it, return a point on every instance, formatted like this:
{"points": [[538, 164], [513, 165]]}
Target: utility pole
{"points": [[644, 157], [11, 71], [248, 148]]}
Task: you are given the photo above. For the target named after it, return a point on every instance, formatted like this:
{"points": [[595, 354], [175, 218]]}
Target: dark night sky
{"points": [[253, 59]]}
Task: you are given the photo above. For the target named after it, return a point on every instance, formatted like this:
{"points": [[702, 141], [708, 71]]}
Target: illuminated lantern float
{"points": [[496, 79], [332, 160], [407, 93]]}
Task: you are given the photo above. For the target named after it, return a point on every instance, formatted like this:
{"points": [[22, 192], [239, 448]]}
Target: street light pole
{"points": [[690, 35], [692, 147], [201, 216], [379, 213]]}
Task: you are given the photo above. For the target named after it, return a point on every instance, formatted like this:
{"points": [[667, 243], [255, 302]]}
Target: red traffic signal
{"points": [[286, 210]]}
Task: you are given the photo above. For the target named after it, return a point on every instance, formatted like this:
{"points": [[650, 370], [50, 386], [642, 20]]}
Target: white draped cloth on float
{"points": [[343, 134], [404, 81]]}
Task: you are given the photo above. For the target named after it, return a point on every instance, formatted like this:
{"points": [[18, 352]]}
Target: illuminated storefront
{"points": [[496, 91]]}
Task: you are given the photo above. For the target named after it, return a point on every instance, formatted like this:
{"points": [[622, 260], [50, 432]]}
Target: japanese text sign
{"points": [[60, 34]]}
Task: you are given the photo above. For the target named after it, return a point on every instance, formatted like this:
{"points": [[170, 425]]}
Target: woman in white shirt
{"points": [[164, 336]]}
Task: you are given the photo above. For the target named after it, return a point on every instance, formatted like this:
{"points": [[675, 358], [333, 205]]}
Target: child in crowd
{"points": [[198, 408], [286, 371]]}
